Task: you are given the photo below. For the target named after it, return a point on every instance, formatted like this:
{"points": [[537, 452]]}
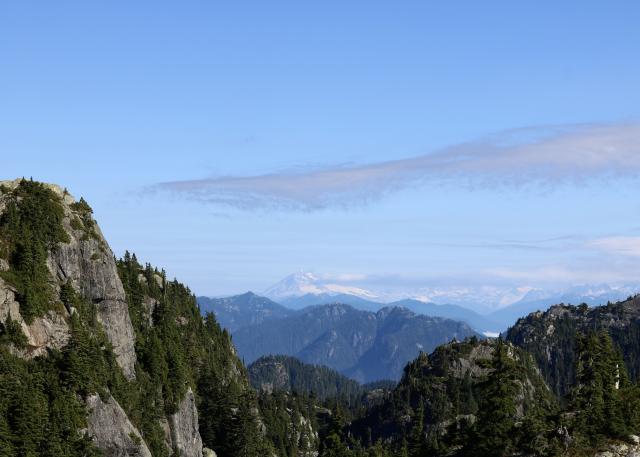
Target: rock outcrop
{"points": [[305, 437], [49, 331], [621, 450], [112, 430], [184, 434], [117, 436], [87, 261]]}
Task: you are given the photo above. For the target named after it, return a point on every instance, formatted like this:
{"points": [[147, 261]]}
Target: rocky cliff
{"points": [[86, 261], [112, 430], [631, 449], [57, 274], [184, 428]]}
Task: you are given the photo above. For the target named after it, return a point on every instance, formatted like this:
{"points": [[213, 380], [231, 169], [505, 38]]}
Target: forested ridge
{"points": [[177, 350], [284, 373], [550, 337]]}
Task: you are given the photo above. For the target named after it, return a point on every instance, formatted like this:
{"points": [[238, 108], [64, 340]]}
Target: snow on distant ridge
{"points": [[303, 283], [483, 299]]}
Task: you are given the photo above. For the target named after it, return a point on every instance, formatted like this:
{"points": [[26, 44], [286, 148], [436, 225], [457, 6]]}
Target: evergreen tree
{"points": [[596, 397], [493, 433], [417, 441]]}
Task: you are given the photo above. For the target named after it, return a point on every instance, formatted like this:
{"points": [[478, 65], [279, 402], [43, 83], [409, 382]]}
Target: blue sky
{"points": [[426, 142]]}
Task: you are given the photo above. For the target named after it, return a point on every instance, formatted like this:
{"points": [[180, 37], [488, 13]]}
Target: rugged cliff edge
{"points": [[67, 333], [85, 260]]}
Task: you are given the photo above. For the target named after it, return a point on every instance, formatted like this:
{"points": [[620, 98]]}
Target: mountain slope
{"points": [[242, 310], [446, 398], [551, 337], [284, 373], [478, 322], [304, 301], [367, 346], [109, 358]]}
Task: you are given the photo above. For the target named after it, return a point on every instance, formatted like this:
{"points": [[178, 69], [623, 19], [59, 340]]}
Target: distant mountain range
{"points": [[482, 324], [250, 309], [488, 309], [363, 345], [303, 301], [243, 310], [362, 338], [537, 300]]}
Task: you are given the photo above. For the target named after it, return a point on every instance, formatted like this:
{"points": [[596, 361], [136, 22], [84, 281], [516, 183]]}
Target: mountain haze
{"points": [[479, 322], [364, 345], [304, 301], [243, 310], [487, 308]]}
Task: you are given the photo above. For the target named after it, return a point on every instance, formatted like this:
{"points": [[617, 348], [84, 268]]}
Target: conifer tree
{"points": [[596, 397], [417, 441], [493, 433]]}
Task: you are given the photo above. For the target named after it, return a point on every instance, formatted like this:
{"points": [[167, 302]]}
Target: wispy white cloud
{"points": [[622, 245], [524, 157]]}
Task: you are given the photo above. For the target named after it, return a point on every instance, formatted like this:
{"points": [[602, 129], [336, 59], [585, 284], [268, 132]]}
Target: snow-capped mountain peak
{"points": [[304, 282]]}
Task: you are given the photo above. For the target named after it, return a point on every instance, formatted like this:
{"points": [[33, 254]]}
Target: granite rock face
{"points": [[48, 331], [112, 431], [86, 261], [8, 304], [183, 425]]}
